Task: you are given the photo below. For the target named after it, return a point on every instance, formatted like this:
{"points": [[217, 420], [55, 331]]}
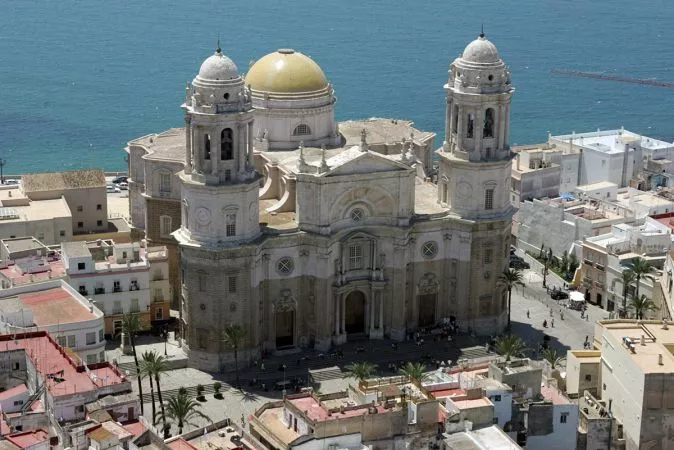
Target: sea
{"points": [[80, 78]]}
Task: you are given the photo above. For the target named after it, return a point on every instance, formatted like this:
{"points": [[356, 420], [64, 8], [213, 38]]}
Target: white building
{"points": [[564, 420], [50, 220], [56, 307], [536, 173], [116, 277]]}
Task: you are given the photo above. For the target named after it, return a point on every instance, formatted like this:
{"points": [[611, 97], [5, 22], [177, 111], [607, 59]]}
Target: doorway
{"points": [[354, 319], [427, 310], [285, 329]]}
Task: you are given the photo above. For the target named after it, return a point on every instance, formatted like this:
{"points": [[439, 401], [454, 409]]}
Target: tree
{"points": [[510, 346], [131, 326], [360, 371], [183, 410], [509, 279], [415, 371], [641, 269], [233, 337], [552, 357], [564, 263], [628, 278], [155, 365], [540, 253], [641, 305], [573, 265], [147, 358]]}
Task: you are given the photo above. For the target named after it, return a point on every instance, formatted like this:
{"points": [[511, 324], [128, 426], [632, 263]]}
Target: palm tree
{"points": [[233, 337], [573, 265], [360, 371], [415, 371], [131, 326], [182, 409], [627, 279], [509, 279], [641, 268], [552, 357], [642, 305], [147, 359], [510, 346]]}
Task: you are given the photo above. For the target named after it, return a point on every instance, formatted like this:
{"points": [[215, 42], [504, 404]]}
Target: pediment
{"points": [[354, 162]]}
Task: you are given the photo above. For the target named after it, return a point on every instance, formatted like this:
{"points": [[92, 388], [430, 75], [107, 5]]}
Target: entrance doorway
{"points": [[285, 329], [427, 310], [354, 319]]}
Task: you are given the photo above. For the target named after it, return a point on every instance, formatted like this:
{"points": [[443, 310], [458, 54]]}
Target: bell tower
{"points": [[475, 159], [219, 182]]}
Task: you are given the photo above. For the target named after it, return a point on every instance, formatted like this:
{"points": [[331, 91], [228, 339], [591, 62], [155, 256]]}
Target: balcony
{"points": [[99, 291], [587, 262], [134, 287], [83, 292]]}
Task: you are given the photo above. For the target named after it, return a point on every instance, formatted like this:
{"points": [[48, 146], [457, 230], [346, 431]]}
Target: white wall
{"points": [[8, 405], [502, 408], [563, 436]]}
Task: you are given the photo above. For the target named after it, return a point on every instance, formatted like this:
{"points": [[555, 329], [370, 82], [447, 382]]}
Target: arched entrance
{"points": [[354, 317], [427, 309]]}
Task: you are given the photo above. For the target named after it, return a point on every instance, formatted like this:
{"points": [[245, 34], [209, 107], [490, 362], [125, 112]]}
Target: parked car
{"points": [[11, 181], [519, 264], [122, 179], [112, 188], [558, 294], [124, 186]]}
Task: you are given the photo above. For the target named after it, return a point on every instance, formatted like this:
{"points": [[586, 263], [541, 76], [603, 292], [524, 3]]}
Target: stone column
{"points": [[450, 121], [337, 311], [250, 144], [188, 146], [372, 311], [343, 313], [478, 128], [215, 150], [459, 128], [381, 312], [199, 134], [240, 154], [506, 133]]}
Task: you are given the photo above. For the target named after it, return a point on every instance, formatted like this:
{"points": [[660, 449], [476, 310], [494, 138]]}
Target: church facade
{"points": [[306, 231]]}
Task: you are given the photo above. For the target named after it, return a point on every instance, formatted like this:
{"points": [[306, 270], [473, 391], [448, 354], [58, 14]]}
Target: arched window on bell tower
{"points": [[207, 146], [488, 131], [226, 145], [470, 126], [455, 125]]}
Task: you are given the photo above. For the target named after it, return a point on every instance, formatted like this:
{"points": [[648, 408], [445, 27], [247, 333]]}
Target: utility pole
{"points": [[2, 166]]}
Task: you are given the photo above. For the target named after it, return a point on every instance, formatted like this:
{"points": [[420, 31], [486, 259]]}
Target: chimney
{"points": [[643, 340], [660, 361]]}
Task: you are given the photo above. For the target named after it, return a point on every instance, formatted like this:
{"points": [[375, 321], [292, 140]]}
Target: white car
{"points": [[124, 186], [110, 188]]}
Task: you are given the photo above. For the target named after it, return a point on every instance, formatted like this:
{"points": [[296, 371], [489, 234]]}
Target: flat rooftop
{"points": [[55, 306], [28, 438], [595, 186], [554, 395], [49, 271], [62, 376], [612, 141], [15, 207], [381, 131], [645, 357], [168, 145]]}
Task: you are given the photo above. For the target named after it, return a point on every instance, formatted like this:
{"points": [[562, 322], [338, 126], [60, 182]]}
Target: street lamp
{"points": [[165, 334], [2, 166]]}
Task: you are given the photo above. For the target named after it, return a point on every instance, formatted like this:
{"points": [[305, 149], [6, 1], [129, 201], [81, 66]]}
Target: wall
{"points": [[578, 368], [563, 436], [92, 218], [14, 403], [503, 407]]}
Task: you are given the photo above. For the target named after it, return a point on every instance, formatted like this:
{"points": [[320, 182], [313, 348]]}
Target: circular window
{"points": [[357, 214], [491, 77], [226, 96], [429, 249], [285, 266]]}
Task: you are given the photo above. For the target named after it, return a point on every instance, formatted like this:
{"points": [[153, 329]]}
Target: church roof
{"points": [[286, 71], [74, 179]]}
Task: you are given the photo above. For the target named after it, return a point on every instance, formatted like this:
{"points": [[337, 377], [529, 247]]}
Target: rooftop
{"points": [[28, 438], [17, 275], [612, 141], [22, 244], [22, 210], [74, 179], [77, 249], [55, 306], [554, 395], [381, 131], [488, 438], [16, 390], [62, 376], [100, 434], [595, 186], [658, 340], [166, 146]]}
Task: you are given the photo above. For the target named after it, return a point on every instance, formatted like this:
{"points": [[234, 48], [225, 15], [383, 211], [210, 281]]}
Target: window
{"points": [[80, 224], [588, 377], [495, 420], [202, 338], [71, 341], [165, 225], [165, 182], [61, 341], [357, 214], [99, 207], [81, 266], [497, 398], [230, 228], [202, 283], [62, 233], [16, 366], [99, 223], [101, 336], [429, 249], [91, 338], [285, 266], [116, 286], [117, 308], [301, 130], [207, 146], [226, 145], [159, 314], [134, 305], [445, 192], [563, 417], [79, 408], [488, 255], [489, 199], [470, 125], [231, 284], [18, 402], [488, 131], [80, 208], [355, 257]]}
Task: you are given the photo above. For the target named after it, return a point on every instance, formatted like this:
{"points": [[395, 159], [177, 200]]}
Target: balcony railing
{"points": [[98, 291]]}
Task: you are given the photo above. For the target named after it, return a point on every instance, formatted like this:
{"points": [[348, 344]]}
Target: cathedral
{"points": [[308, 232]]}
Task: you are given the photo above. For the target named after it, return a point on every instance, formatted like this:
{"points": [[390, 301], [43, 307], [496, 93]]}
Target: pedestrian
{"points": [[262, 366], [243, 421], [545, 324], [552, 323], [527, 313], [550, 312], [587, 317], [561, 316]]}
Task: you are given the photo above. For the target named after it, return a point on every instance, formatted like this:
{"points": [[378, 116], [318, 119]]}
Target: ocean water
{"points": [[79, 78]]}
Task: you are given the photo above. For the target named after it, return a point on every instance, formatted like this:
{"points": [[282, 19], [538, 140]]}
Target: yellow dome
{"points": [[286, 71]]}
